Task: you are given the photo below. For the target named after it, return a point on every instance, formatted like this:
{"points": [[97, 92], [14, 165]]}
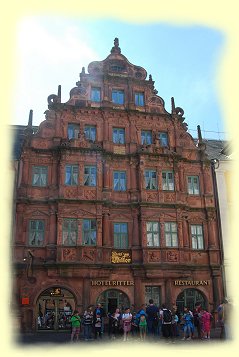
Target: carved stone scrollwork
{"points": [[69, 254], [53, 99], [153, 256], [172, 257]]}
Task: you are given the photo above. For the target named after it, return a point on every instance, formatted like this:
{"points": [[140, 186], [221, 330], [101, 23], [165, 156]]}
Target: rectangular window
{"points": [[73, 131], [171, 234], [90, 132], [193, 185], [150, 177], [121, 235], [154, 293], [118, 96], [139, 99], [168, 180], [163, 138], [197, 236], [90, 176], [152, 234], [70, 231], [36, 232], [39, 176], [71, 175], [119, 180], [95, 94], [89, 232], [146, 137], [118, 135]]}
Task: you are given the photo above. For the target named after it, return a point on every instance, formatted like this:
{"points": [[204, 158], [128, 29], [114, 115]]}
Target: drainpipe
{"points": [[215, 165]]}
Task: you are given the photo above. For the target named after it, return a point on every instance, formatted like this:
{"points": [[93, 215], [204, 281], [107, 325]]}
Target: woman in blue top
{"points": [[188, 323]]}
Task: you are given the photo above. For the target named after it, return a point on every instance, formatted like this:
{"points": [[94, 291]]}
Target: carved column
{"points": [[135, 230], [212, 231], [180, 234], [106, 176], [185, 233], [139, 297], [25, 172], [133, 176], [181, 179], [162, 243], [52, 227], [105, 234]]}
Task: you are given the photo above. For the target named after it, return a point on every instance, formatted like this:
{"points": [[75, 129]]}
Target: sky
{"points": [[184, 62]]}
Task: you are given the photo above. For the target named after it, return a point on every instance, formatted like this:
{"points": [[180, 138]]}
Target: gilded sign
{"points": [[192, 282], [120, 257], [112, 283]]}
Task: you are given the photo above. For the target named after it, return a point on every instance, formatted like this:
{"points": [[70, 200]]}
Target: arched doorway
{"points": [[189, 297], [113, 298], [54, 309]]}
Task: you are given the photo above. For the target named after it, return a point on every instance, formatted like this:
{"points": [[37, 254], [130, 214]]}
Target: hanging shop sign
{"points": [[192, 282], [112, 282], [121, 257]]}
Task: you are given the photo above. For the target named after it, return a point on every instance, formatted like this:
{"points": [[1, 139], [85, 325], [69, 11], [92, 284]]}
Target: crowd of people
{"points": [[148, 322]]}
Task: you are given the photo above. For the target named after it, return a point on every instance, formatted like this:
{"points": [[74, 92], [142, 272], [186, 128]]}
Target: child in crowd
{"points": [[75, 323], [98, 323], [142, 327]]}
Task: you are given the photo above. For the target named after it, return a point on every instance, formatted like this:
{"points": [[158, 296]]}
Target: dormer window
{"points": [[95, 94], [118, 96], [139, 99]]}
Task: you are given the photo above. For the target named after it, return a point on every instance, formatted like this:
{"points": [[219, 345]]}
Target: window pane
{"points": [[39, 176], [118, 96], [70, 231], [139, 99], [95, 94], [163, 138], [89, 232]]}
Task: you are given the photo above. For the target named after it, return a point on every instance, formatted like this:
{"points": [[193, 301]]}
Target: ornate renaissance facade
{"points": [[114, 202]]}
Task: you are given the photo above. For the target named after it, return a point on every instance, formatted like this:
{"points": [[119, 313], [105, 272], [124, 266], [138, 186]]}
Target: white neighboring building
{"points": [[221, 153]]}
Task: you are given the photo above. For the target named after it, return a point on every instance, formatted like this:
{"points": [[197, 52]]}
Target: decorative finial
{"points": [[199, 134], [173, 105], [59, 93], [30, 119], [116, 48], [150, 78]]}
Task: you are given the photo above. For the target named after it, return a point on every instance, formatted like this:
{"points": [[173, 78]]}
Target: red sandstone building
{"points": [[114, 202]]}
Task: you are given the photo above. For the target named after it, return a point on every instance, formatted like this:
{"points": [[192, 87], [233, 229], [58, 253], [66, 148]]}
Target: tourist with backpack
{"points": [[152, 313], [166, 319]]}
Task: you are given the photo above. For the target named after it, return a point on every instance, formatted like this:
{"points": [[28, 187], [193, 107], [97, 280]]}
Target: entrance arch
{"points": [[113, 298], [54, 309], [189, 297]]}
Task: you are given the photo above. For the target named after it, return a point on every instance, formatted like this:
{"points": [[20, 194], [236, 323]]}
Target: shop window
{"points": [[95, 94], [90, 176], [153, 292], [168, 181], [36, 232], [150, 179], [70, 231], [73, 131], [90, 132], [89, 232], [71, 175], [171, 235], [139, 99], [118, 96], [163, 138], [152, 234], [193, 185], [197, 236], [118, 136], [146, 137], [121, 236], [119, 180], [39, 176]]}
